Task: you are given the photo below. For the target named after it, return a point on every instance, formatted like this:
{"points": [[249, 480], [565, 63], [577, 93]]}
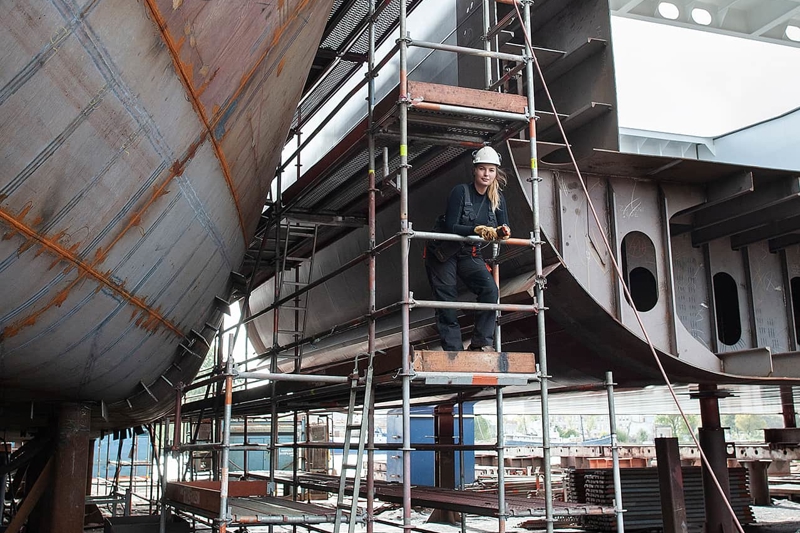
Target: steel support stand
{"points": [[712, 441], [70, 468], [540, 280], [670, 482], [787, 407], [759, 482], [405, 242], [612, 420]]}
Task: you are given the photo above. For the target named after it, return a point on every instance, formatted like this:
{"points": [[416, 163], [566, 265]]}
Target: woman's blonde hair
{"points": [[495, 187]]}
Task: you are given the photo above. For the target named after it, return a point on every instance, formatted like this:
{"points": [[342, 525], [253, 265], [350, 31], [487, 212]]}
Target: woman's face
{"points": [[484, 175]]}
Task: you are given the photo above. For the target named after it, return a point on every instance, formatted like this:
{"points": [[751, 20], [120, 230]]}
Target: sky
{"points": [[678, 80]]}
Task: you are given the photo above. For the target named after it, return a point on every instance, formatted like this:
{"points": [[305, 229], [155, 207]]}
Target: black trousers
{"points": [[474, 272]]}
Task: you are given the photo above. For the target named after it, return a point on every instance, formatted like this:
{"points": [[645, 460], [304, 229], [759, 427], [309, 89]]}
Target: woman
{"points": [[476, 208]]}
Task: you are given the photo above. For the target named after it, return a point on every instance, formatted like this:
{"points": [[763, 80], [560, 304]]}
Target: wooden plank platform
{"points": [[248, 503], [474, 362]]}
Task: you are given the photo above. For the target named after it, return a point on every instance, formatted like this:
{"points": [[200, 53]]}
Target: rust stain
{"points": [[86, 271], [135, 219], [281, 64], [25, 210], [276, 37], [204, 86], [193, 97]]}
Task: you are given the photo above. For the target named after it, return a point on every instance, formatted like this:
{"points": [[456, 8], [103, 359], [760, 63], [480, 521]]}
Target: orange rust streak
{"points": [[187, 82], [86, 269], [136, 218], [246, 78]]}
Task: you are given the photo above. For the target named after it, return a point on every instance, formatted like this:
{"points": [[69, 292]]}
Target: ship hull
{"points": [[138, 143]]}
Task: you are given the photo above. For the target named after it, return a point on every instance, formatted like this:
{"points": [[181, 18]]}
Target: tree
{"points": [[678, 426], [484, 432]]}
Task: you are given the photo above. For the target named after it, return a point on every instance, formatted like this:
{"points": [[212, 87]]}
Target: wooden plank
{"points": [[205, 494], [479, 362], [450, 95]]}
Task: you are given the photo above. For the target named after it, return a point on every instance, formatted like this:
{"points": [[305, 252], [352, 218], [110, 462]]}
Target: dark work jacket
{"points": [[481, 206]]}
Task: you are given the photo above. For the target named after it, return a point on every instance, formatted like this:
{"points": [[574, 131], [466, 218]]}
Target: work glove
{"points": [[487, 233], [503, 232]]}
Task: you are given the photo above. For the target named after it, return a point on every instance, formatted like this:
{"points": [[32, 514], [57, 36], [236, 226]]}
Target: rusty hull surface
{"points": [[139, 139]]}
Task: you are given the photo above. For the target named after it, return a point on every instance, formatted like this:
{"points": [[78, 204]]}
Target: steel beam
{"points": [[712, 441], [779, 243], [765, 204], [787, 407], [778, 227]]}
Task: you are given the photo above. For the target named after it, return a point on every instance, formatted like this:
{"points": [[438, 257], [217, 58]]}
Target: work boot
{"points": [[473, 348]]}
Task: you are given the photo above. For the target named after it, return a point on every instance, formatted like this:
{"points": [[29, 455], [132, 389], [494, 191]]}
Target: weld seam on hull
{"points": [[38, 61], [53, 145], [186, 82], [87, 270]]}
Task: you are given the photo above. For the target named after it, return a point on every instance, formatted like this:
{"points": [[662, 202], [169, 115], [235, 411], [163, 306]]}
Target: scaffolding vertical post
{"points": [[540, 280], [487, 45], [612, 420], [501, 460], [226, 444], [461, 474], [405, 242], [162, 521], [370, 409]]}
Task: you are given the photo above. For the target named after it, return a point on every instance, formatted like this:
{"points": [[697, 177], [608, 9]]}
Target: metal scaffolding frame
{"points": [[408, 373]]}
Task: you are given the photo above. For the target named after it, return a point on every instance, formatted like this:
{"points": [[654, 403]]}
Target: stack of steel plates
{"points": [[641, 496]]}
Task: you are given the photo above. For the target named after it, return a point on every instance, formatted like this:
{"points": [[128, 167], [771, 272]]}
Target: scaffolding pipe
{"points": [[391, 241], [370, 409], [470, 111], [283, 519], [405, 243], [226, 442], [501, 463], [327, 119], [461, 473], [466, 50], [612, 419], [492, 377], [432, 235], [540, 279], [352, 324], [162, 519], [487, 46], [507, 76], [280, 376], [474, 306]]}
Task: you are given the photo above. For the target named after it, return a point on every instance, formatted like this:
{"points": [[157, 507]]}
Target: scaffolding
{"points": [[500, 116]]}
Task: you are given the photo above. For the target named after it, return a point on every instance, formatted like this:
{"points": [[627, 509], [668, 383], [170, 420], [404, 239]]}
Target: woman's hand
{"points": [[487, 233], [503, 232]]}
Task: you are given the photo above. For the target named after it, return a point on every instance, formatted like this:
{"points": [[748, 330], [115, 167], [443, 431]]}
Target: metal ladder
{"points": [[362, 428], [293, 233]]}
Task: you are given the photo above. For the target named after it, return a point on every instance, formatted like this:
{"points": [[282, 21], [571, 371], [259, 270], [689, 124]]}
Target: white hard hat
{"points": [[487, 155]]}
